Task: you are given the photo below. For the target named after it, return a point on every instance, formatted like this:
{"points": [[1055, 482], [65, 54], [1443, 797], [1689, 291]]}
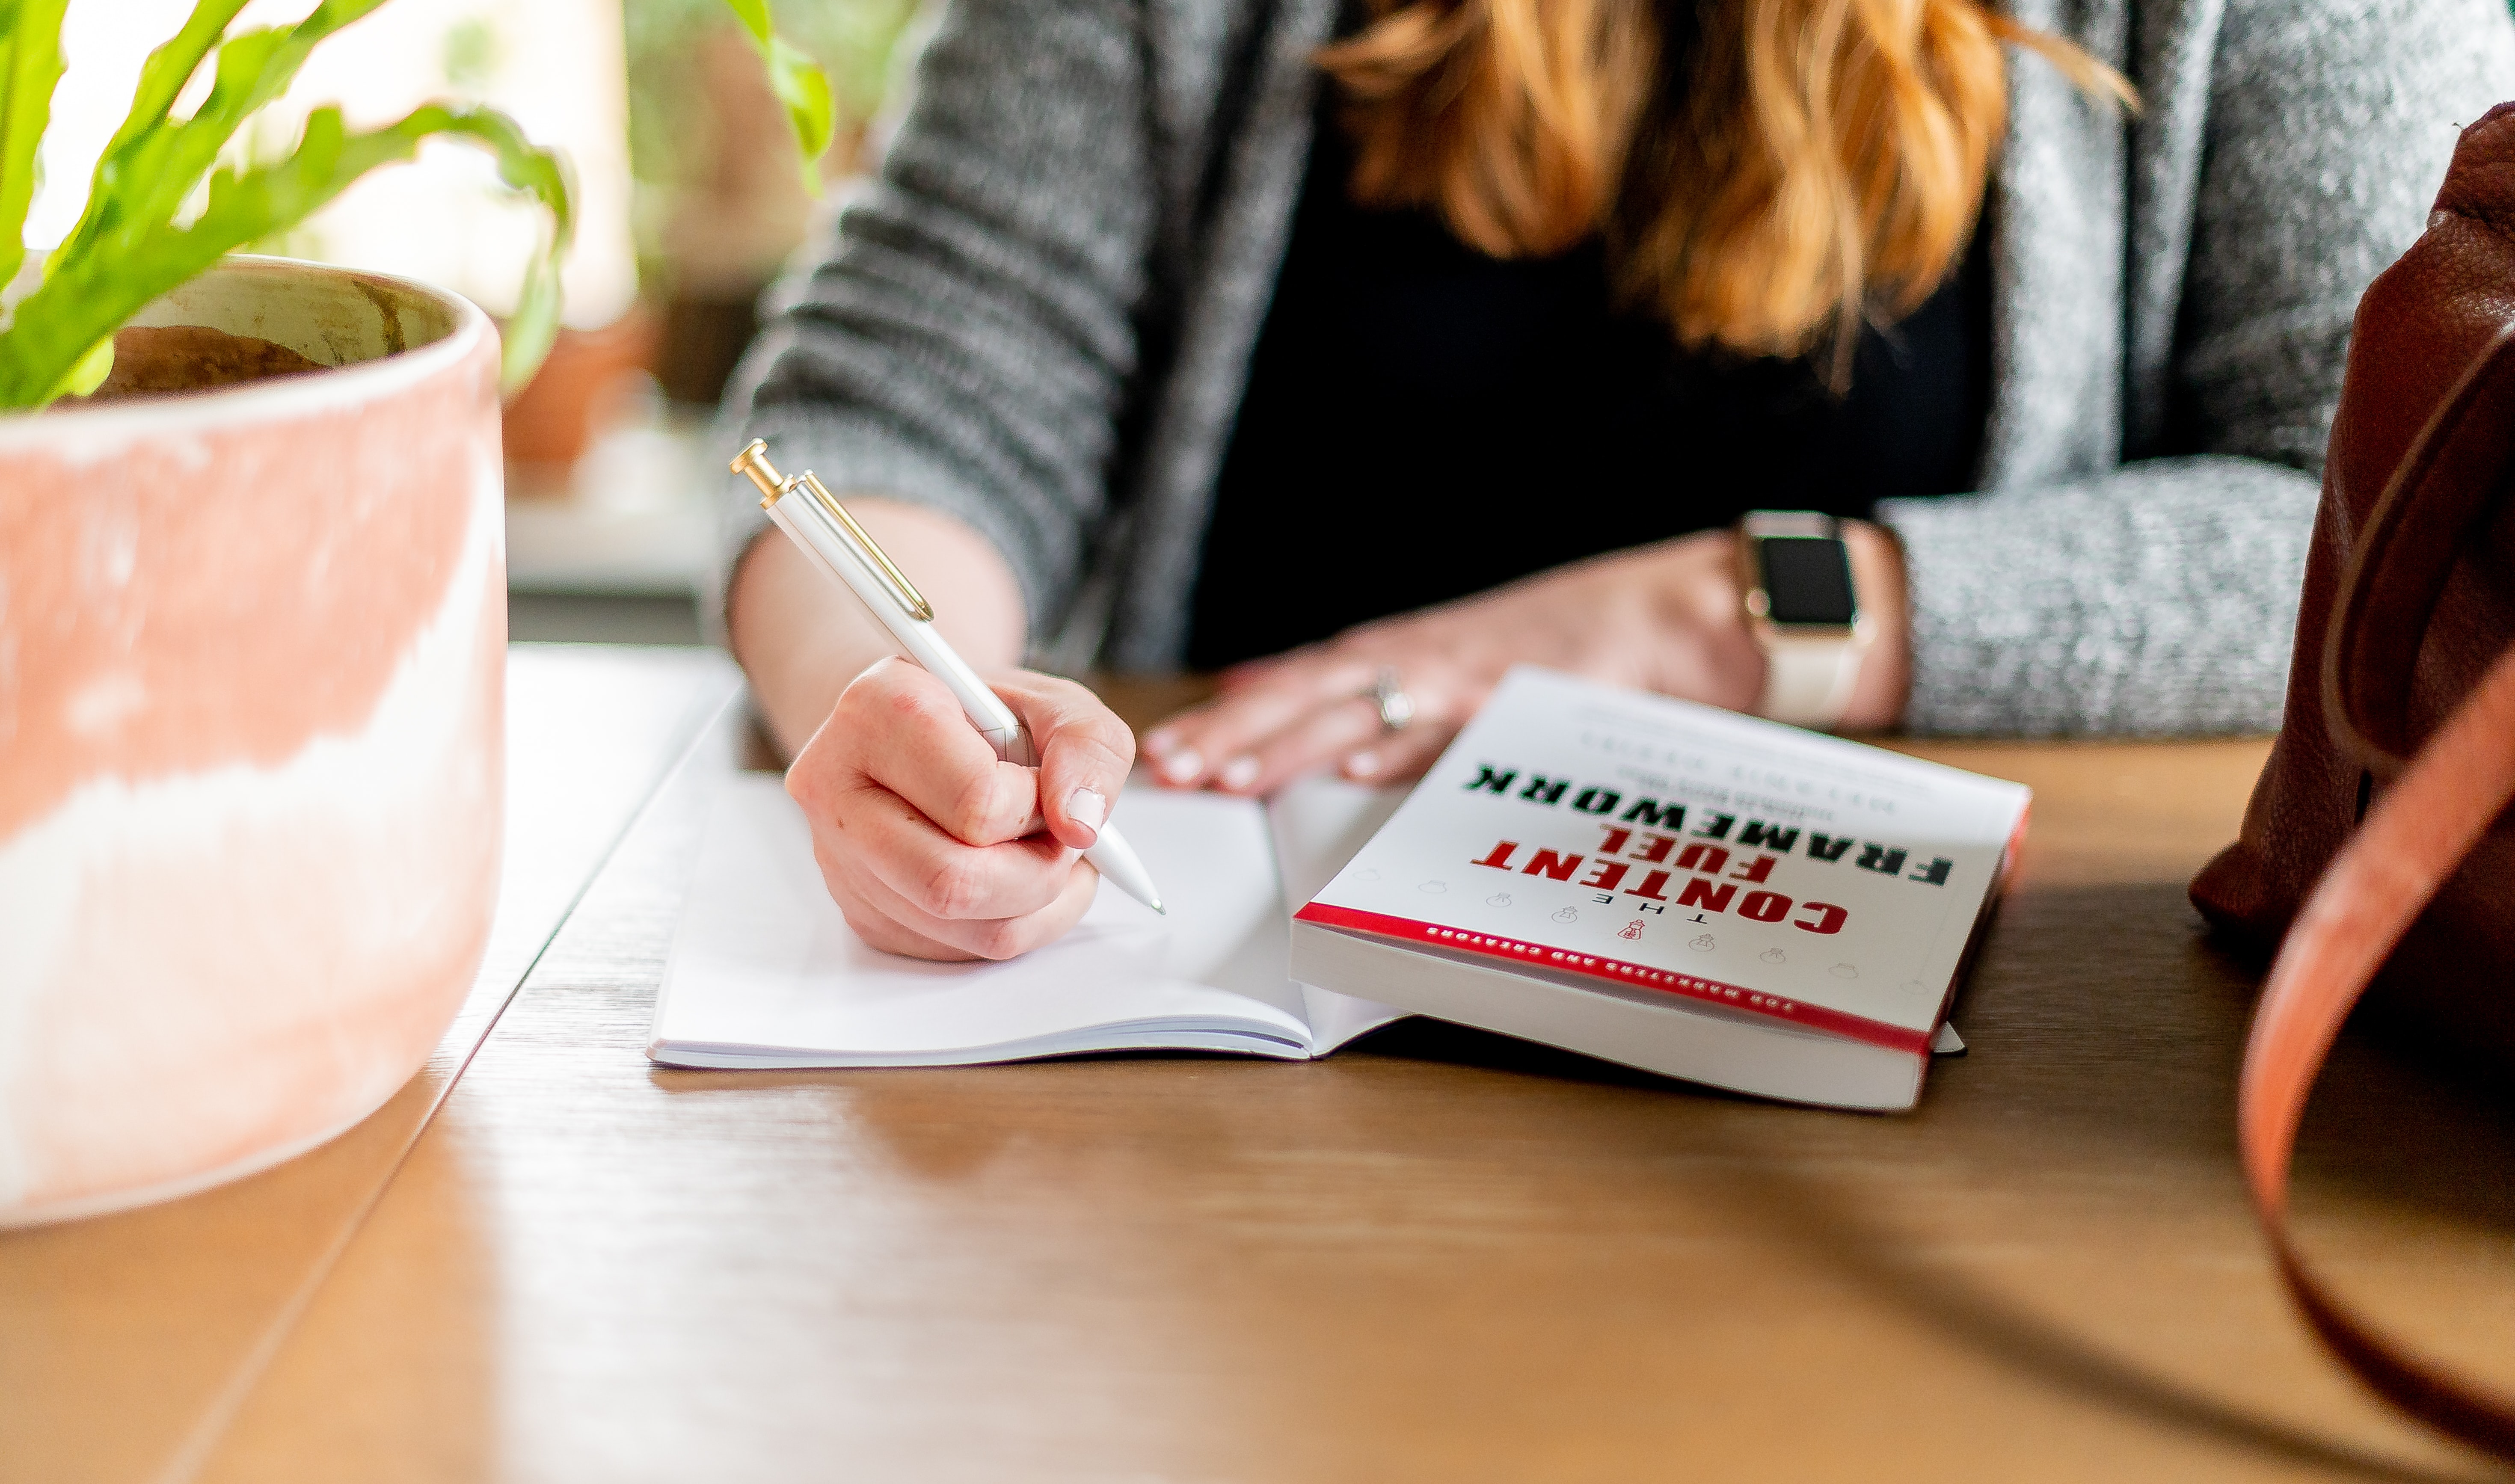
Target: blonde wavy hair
{"points": [[1811, 163]]}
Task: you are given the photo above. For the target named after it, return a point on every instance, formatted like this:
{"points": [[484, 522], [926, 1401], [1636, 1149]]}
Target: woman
{"points": [[1456, 333]]}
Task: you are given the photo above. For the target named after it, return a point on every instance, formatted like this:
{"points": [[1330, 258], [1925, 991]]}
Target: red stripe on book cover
{"points": [[1815, 1017]]}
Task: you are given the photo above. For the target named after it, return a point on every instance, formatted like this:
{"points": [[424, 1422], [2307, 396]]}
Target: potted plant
{"points": [[252, 627]]}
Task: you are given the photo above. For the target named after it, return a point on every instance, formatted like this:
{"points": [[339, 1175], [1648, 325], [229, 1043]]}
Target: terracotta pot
{"points": [[252, 662], [556, 415]]}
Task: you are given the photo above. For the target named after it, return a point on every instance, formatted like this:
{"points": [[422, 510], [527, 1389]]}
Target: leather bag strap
{"points": [[2412, 839], [2453, 480]]}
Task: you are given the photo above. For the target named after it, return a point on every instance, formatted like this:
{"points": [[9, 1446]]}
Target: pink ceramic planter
{"points": [[252, 656]]}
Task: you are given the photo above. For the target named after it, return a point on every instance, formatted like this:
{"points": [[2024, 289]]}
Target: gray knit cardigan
{"points": [[1039, 318]]}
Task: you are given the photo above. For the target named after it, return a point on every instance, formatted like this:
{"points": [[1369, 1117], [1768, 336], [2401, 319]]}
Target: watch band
{"points": [[1808, 680], [1810, 667]]}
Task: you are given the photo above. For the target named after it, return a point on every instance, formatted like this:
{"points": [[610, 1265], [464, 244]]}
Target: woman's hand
{"points": [[931, 846], [928, 844], [1666, 618]]}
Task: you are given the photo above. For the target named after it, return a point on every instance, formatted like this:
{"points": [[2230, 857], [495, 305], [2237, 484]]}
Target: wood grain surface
{"points": [[1438, 1254], [127, 1340]]}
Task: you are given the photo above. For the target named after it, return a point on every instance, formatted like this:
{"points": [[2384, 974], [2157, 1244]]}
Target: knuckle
{"points": [[912, 706], [826, 761], [888, 692], [952, 888], [982, 808], [966, 809], [859, 698], [1003, 938], [1058, 693], [873, 684], [1099, 754], [1116, 736], [1073, 710]]}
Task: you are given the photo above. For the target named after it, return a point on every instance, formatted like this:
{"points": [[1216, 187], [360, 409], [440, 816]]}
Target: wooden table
{"points": [[1435, 1256]]}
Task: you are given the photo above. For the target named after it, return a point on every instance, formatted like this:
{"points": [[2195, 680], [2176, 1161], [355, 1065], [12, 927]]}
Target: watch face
{"points": [[1808, 580]]}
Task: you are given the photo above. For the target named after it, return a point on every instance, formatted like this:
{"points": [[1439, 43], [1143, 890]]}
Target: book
{"points": [[764, 970], [1584, 867], [1677, 889]]}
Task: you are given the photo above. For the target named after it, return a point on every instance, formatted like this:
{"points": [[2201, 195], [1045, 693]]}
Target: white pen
{"points": [[831, 537]]}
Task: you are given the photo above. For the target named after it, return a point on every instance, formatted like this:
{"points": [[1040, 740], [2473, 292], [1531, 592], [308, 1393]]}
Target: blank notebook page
{"points": [[764, 971]]}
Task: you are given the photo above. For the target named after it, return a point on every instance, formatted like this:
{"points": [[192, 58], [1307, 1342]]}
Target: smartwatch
{"points": [[1804, 610]]}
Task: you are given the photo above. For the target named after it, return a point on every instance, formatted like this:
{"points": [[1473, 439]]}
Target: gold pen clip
{"points": [[753, 462]]}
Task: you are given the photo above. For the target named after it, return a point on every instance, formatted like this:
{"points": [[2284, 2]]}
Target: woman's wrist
{"points": [[1709, 650], [1887, 670], [802, 637], [1707, 653]]}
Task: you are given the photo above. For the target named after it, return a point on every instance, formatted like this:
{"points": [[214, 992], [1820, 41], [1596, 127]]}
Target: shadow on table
{"points": [[2106, 1032], [2104, 1017], [1993, 1327], [2106, 1029]]}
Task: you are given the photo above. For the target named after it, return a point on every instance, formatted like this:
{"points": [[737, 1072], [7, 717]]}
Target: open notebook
{"points": [[765, 972]]}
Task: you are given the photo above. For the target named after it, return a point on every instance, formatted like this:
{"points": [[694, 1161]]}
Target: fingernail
{"points": [[1239, 772], [1086, 807], [1182, 767], [1362, 764], [1159, 743]]}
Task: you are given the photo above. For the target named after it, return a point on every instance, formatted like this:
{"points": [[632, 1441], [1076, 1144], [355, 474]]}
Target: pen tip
{"points": [[1164, 911]]}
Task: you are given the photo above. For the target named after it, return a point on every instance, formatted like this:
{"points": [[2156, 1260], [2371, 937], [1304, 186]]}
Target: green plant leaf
{"points": [[541, 175], [31, 68], [171, 65], [811, 109], [87, 294], [91, 371], [754, 16], [155, 161]]}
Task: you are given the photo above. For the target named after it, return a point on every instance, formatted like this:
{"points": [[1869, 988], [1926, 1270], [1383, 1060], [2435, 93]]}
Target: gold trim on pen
{"points": [[753, 462], [918, 608]]}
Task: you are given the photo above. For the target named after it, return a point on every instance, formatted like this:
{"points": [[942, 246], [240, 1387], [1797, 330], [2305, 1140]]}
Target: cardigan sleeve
{"points": [[2160, 597], [966, 341]]}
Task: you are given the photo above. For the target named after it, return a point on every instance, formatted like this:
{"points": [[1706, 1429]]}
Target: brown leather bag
{"points": [[2378, 865]]}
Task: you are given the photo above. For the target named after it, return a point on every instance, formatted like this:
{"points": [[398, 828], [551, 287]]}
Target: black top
{"points": [[1422, 422]]}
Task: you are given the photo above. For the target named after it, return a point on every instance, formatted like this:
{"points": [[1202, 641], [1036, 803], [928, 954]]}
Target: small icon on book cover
{"points": [[1774, 955], [1568, 915], [1631, 929], [1844, 971], [1499, 899], [1434, 887], [1701, 942], [1366, 874]]}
